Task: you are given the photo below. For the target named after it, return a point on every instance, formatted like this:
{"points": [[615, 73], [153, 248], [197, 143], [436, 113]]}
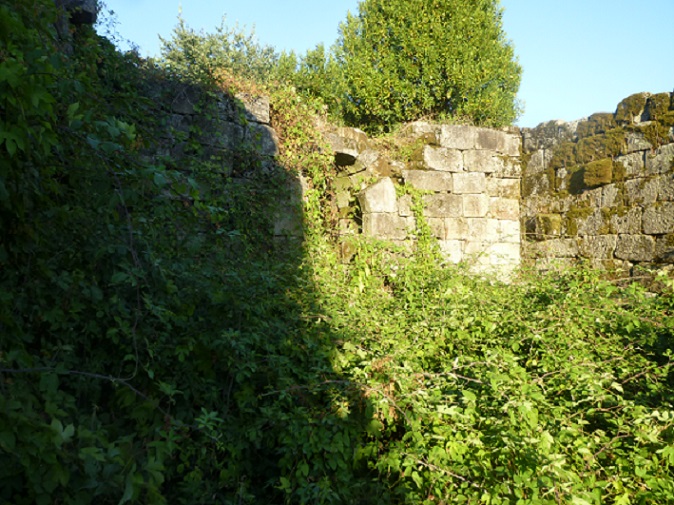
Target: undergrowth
{"points": [[156, 346]]}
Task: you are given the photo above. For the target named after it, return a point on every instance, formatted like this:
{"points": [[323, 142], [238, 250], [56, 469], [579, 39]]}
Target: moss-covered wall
{"points": [[602, 189]]}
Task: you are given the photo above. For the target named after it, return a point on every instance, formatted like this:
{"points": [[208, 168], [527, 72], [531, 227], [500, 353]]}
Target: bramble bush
{"points": [[157, 347]]}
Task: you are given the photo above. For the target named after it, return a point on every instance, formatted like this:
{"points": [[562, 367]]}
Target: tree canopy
{"points": [[407, 59]]}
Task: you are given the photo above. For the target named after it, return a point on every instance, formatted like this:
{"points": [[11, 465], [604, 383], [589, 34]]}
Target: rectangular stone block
{"points": [[555, 248], [427, 180], [443, 205], [458, 137], [437, 226], [482, 161], [504, 231], [475, 205], [477, 229], [661, 162], [628, 222], [598, 246], [387, 226], [499, 141], [503, 188], [503, 253], [456, 228], [504, 208], [666, 188], [470, 183], [635, 248], [634, 164], [380, 197], [443, 159], [511, 169], [641, 191], [659, 219], [452, 250]]}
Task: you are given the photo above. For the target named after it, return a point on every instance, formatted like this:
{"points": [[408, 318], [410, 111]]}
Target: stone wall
{"points": [[469, 179], [602, 189]]}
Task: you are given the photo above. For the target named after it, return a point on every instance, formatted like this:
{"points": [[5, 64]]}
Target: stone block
{"points": [[458, 137], [387, 226], [263, 138], [427, 180], [405, 206], [499, 230], [636, 142], [659, 219], [503, 253], [499, 141], [475, 205], [477, 229], [256, 107], [443, 205], [347, 144], [635, 248], [661, 161], [504, 208], [598, 173], [437, 226], [548, 226], [503, 188], [380, 197], [452, 250], [483, 161], [470, 183], [641, 191], [537, 184], [635, 164], [224, 135], [593, 224], [609, 195], [511, 169], [664, 248], [538, 163], [555, 248], [666, 188], [456, 228], [626, 221], [442, 159], [598, 246]]}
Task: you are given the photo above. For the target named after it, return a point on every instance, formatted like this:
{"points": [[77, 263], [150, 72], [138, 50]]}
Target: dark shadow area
{"points": [[161, 341]]}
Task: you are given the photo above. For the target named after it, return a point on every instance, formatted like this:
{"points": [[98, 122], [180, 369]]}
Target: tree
{"points": [[407, 59]]}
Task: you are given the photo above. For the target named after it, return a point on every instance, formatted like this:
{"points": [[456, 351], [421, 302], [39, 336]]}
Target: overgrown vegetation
{"points": [[156, 347]]}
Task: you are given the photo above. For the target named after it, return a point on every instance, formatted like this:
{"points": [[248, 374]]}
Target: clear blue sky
{"points": [[578, 56]]}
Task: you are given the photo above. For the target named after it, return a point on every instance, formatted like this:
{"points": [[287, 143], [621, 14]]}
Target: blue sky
{"points": [[578, 56]]}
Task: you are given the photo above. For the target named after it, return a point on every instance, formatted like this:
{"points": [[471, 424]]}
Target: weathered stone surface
{"points": [[536, 184], [635, 164], [504, 208], [81, 12], [475, 205], [591, 225], [263, 138], [499, 141], [499, 230], [483, 161], [661, 162], [609, 195], [452, 250], [635, 248], [664, 248], [666, 188], [380, 197], [185, 100], [641, 191], [539, 161], [405, 206], [659, 219], [626, 221], [597, 246], [503, 188], [224, 135], [256, 108], [470, 182], [442, 159], [502, 253], [548, 226], [511, 169], [456, 228], [437, 226], [347, 144], [476, 228], [637, 142], [443, 205], [458, 137], [555, 248], [387, 226], [427, 180], [598, 172]]}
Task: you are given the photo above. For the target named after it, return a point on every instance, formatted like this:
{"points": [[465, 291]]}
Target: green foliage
{"points": [[201, 56], [407, 59], [156, 346]]}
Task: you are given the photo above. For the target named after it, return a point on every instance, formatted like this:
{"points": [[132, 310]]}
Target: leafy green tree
{"points": [[406, 59], [200, 56]]}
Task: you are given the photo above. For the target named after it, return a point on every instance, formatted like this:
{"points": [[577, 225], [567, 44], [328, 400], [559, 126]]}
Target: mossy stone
{"points": [[658, 105], [598, 173], [630, 107], [548, 225], [600, 122]]}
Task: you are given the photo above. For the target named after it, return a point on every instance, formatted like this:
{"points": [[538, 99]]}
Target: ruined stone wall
{"points": [[469, 179], [602, 189]]}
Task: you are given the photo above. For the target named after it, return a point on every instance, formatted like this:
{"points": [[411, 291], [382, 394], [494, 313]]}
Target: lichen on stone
{"points": [[598, 173]]}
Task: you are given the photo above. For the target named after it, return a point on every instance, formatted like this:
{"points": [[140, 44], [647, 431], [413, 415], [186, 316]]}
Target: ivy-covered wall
{"points": [[602, 189]]}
